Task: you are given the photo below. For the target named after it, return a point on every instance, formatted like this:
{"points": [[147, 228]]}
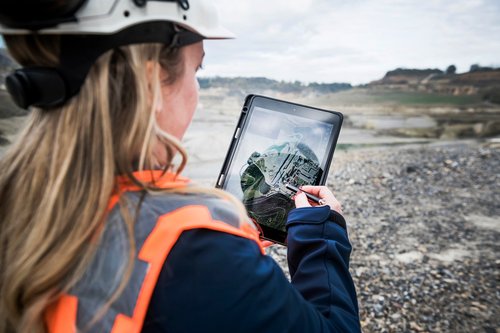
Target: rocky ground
{"points": [[424, 223]]}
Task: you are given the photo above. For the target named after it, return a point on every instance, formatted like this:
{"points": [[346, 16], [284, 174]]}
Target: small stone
{"points": [[416, 327], [395, 316], [411, 168], [422, 249], [479, 306], [379, 310]]}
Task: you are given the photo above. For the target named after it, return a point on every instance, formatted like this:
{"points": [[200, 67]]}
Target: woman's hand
{"points": [[320, 191]]}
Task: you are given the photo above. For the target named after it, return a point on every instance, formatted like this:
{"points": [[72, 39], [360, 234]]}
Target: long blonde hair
{"points": [[58, 177]]}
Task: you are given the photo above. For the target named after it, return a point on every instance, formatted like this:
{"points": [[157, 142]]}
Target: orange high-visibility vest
{"points": [[160, 222]]}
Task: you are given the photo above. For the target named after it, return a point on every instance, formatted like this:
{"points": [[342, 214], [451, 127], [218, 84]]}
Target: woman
{"points": [[98, 231]]}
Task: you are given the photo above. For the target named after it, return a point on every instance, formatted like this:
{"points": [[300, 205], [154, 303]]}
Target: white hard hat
{"points": [[88, 28], [111, 16]]}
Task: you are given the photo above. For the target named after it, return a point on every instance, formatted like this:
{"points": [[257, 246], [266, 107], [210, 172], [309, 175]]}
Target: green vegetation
{"points": [[262, 83], [425, 98], [368, 96], [413, 72]]}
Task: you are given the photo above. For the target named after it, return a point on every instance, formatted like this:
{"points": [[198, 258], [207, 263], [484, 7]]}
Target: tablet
{"points": [[277, 143]]}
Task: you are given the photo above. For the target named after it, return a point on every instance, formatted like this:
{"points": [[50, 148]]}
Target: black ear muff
{"points": [[42, 87]]}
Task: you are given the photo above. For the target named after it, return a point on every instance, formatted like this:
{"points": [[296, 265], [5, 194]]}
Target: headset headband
{"points": [[51, 87]]}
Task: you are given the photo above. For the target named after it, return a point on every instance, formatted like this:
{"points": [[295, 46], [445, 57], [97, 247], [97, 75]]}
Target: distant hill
{"points": [[406, 76], [260, 84], [482, 81]]}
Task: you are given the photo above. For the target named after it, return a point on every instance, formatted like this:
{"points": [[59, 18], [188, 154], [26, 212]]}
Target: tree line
{"points": [[263, 83]]}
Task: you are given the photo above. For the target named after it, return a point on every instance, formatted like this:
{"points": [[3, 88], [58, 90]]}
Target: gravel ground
{"points": [[424, 223]]}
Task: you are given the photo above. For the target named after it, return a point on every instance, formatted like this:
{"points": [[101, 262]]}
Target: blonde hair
{"points": [[58, 177]]}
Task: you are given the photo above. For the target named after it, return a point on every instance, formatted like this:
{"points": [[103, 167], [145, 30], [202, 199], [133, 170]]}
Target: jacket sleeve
{"points": [[318, 259], [217, 282]]}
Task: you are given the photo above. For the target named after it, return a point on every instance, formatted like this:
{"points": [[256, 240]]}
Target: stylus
{"points": [[308, 195]]}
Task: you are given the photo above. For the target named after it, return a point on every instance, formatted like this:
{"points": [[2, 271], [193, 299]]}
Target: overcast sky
{"points": [[354, 41]]}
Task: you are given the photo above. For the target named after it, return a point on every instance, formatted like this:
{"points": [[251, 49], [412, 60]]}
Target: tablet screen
{"points": [[278, 145]]}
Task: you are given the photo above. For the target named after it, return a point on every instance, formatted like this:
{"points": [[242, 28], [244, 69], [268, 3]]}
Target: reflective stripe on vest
{"points": [[63, 315]]}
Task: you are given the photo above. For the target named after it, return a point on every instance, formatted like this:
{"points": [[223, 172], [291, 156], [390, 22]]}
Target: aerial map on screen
{"points": [[278, 149]]}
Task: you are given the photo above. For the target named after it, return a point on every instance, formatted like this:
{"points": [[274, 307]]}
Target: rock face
{"points": [[407, 76], [483, 81]]}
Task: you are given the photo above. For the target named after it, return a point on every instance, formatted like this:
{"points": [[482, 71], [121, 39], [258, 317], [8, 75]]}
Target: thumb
{"points": [[301, 200]]}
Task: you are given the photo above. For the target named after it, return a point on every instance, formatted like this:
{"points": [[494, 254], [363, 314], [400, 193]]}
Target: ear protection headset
{"points": [[85, 35], [42, 87]]}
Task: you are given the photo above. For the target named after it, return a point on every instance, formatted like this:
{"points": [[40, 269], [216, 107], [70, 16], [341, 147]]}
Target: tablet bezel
{"points": [[251, 101]]}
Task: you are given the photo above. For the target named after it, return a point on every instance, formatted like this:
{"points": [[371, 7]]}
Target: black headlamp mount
{"points": [[51, 87]]}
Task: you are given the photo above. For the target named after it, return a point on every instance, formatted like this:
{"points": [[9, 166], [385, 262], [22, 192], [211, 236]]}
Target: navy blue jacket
{"points": [[218, 282]]}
